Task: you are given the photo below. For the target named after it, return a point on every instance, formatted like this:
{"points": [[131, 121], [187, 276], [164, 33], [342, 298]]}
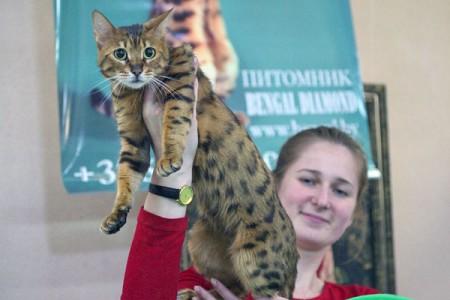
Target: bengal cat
{"points": [[243, 236], [198, 23]]}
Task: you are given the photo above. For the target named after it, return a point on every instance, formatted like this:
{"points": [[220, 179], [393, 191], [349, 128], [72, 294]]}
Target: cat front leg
{"points": [[179, 101], [176, 126]]}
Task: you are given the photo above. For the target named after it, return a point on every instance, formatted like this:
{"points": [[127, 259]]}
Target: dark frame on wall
{"points": [[365, 254]]}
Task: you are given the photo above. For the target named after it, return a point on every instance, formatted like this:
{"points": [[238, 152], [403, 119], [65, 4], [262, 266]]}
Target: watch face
{"points": [[186, 195]]}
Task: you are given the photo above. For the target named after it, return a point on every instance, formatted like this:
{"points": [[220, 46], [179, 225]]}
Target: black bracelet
{"points": [[164, 191]]}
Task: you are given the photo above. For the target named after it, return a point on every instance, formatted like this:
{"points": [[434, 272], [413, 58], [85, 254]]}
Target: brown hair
{"points": [[295, 146]]}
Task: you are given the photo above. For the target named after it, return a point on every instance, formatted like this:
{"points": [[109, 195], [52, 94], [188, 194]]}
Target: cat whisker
{"points": [[170, 91], [157, 89], [169, 78], [106, 80], [99, 87], [115, 84]]}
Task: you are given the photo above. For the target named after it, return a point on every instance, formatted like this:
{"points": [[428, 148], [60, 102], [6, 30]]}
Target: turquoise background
{"points": [[266, 34]]}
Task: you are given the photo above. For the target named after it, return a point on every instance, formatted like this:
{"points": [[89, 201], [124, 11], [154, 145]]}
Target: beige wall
{"points": [[406, 45], [50, 246]]}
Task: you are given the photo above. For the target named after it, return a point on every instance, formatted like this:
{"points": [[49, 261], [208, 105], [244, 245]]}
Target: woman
{"points": [[320, 176]]}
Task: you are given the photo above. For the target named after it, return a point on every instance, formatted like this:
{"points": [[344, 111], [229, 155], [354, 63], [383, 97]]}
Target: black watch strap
{"points": [[164, 191]]}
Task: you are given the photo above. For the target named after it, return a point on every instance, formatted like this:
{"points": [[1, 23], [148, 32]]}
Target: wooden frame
{"points": [[365, 254]]}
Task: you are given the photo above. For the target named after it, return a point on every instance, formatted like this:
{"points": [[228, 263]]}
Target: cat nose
{"points": [[136, 70]]}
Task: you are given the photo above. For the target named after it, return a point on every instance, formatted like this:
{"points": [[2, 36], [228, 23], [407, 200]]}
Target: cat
{"points": [[243, 236], [199, 24]]}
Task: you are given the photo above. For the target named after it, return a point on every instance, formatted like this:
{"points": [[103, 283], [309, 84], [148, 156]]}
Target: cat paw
{"points": [[186, 294], [115, 221], [165, 167]]}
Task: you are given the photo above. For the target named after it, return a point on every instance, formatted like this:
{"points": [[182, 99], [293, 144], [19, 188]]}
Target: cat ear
{"points": [[103, 29], [157, 27]]}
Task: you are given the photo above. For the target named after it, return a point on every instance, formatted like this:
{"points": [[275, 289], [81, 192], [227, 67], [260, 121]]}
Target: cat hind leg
{"points": [[254, 265]]}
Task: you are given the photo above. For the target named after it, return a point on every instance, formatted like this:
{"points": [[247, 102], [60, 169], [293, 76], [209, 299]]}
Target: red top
{"points": [[154, 262]]}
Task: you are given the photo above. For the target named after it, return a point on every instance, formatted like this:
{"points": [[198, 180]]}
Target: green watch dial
{"points": [[186, 195]]}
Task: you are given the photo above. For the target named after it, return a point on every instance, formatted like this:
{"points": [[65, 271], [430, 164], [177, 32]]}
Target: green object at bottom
{"points": [[380, 297]]}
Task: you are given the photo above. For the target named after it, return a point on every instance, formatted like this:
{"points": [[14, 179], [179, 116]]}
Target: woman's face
{"points": [[319, 192]]}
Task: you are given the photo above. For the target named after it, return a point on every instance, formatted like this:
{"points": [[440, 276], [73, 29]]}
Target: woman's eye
{"points": [[307, 181], [341, 193], [120, 54], [149, 52]]}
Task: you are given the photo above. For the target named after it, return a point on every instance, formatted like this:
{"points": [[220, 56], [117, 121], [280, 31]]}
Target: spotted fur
{"points": [[243, 236]]}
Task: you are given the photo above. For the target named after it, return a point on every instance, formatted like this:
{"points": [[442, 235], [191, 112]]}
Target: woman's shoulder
{"points": [[337, 291]]}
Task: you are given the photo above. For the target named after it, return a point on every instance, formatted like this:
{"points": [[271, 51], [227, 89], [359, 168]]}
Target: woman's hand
{"points": [[224, 292], [219, 287], [152, 113]]}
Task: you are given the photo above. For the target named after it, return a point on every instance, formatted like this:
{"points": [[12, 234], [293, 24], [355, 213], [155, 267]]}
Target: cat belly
{"points": [[236, 198]]}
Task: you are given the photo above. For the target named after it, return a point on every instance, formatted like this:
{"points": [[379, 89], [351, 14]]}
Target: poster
{"points": [[297, 68]]}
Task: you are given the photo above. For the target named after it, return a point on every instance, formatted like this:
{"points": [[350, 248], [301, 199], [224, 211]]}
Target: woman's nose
{"points": [[322, 198]]}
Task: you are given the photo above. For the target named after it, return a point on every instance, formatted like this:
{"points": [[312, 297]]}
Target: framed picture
{"points": [[365, 254]]}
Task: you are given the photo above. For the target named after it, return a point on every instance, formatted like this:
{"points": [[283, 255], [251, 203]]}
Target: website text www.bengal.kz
{"points": [[292, 127]]}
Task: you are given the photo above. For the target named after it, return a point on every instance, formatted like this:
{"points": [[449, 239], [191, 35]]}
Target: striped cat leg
{"points": [[178, 109], [133, 165]]}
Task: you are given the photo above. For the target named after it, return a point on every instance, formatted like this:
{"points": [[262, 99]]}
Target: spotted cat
{"points": [[201, 25], [243, 236]]}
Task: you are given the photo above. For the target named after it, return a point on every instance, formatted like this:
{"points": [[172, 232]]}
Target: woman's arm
{"points": [[158, 205], [154, 260], [153, 263]]}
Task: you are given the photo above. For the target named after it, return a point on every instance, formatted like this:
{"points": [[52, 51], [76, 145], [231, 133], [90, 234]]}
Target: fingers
{"points": [[224, 292], [152, 113], [202, 294]]}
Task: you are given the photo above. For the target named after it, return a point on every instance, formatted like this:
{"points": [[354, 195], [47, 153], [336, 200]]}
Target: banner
{"points": [[295, 67]]}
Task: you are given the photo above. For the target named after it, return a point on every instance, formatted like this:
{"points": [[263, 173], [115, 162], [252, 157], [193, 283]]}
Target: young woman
{"points": [[320, 175]]}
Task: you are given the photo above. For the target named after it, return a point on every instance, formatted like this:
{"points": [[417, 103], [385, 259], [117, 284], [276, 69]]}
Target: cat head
{"points": [[132, 55]]}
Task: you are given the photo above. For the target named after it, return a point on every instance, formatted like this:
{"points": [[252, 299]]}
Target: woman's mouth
{"points": [[314, 218]]}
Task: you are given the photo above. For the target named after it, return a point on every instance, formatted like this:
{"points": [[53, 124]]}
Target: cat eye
{"points": [[120, 54], [149, 52]]}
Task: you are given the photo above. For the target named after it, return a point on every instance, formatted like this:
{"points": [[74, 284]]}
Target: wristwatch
{"points": [[183, 196]]}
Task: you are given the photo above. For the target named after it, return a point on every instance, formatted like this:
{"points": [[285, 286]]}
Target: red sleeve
{"points": [[153, 263], [190, 278]]}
